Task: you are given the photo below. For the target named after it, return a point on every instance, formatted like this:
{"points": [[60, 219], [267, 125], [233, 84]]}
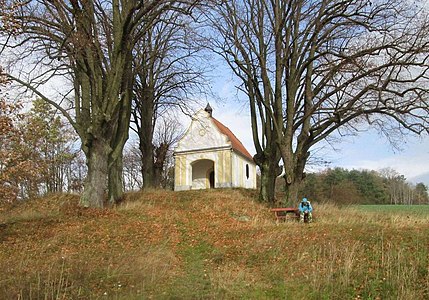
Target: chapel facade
{"points": [[209, 155]]}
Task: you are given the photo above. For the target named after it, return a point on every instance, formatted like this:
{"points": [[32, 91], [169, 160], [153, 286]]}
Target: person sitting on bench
{"points": [[305, 208]]}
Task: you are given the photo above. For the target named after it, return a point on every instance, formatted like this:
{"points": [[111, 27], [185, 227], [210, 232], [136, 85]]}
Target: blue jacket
{"points": [[305, 206]]}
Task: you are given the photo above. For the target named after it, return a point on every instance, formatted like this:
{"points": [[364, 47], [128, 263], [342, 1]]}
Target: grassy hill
{"points": [[217, 244]]}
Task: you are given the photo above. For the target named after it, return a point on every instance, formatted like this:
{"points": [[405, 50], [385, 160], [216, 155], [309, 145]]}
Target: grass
{"points": [[400, 209], [218, 244]]}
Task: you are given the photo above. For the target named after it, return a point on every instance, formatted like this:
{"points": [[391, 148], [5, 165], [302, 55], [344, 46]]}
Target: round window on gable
{"points": [[247, 171]]}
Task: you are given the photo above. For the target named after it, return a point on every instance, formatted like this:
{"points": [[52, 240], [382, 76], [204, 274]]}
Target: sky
{"points": [[368, 150]]}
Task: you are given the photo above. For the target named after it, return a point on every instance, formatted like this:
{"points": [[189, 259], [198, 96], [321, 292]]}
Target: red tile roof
{"points": [[235, 143]]}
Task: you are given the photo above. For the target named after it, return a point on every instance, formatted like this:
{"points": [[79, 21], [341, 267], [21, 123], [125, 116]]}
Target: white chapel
{"points": [[209, 155]]}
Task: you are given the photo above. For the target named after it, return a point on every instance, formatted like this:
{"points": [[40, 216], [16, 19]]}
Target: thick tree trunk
{"points": [[292, 190], [96, 183], [294, 172], [148, 175], [116, 184], [270, 170], [146, 107], [157, 177], [268, 187], [160, 158]]}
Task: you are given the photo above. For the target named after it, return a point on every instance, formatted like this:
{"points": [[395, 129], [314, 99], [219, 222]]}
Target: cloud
{"points": [[410, 166], [373, 153]]}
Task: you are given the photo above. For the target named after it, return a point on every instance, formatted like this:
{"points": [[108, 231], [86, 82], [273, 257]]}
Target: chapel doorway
{"points": [[203, 174]]}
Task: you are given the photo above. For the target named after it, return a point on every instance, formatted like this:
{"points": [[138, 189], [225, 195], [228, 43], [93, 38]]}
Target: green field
{"points": [[411, 210], [219, 244]]}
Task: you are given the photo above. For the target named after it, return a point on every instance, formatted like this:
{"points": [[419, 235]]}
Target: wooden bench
{"points": [[283, 213]]}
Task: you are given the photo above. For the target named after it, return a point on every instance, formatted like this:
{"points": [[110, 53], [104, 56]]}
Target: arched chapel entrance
{"points": [[203, 176]]}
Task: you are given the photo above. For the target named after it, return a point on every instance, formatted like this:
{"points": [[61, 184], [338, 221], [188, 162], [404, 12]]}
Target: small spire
{"points": [[209, 109]]}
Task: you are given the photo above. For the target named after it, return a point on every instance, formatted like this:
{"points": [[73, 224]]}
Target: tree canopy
{"points": [[90, 43], [312, 69], [345, 187]]}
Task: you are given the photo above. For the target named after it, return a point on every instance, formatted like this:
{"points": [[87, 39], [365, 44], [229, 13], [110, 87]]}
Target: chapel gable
{"points": [[209, 155]]}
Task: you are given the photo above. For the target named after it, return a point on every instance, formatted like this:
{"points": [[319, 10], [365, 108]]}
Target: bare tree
{"points": [[325, 67], [168, 132], [132, 167], [394, 183], [243, 50], [169, 70], [91, 43]]}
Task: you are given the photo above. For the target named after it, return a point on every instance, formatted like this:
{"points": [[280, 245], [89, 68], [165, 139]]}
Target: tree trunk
{"points": [[116, 183], [160, 158], [157, 177], [96, 183], [268, 187], [146, 107], [270, 169], [147, 164], [292, 190], [294, 164]]}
